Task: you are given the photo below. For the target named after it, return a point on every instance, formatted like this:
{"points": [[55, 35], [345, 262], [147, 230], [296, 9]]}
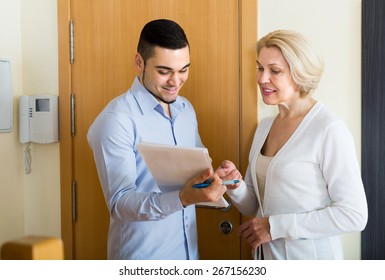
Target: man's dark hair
{"points": [[161, 33]]}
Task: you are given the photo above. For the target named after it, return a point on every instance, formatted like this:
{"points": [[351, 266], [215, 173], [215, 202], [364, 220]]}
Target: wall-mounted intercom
{"points": [[6, 96], [38, 119]]}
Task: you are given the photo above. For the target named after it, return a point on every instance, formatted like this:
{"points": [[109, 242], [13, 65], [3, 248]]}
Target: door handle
{"points": [[225, 227]]}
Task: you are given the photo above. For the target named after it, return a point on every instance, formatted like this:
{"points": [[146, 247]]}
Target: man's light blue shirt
{"points": [[145, 223]]}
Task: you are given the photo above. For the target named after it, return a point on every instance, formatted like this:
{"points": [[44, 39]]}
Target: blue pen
{"points": [[204, 185]]}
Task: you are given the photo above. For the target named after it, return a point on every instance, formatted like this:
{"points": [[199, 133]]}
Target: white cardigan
{"points": [[313, 191]]}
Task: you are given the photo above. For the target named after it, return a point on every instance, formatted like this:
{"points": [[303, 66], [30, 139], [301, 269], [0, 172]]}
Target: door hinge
{"points": [[72, 43], [72, 104], [73, 190]]}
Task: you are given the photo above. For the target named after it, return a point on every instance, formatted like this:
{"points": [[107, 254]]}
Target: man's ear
{"points": [[138, 62]]}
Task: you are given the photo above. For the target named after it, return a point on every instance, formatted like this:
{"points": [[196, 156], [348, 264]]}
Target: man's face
{"points": [[165, 73]]}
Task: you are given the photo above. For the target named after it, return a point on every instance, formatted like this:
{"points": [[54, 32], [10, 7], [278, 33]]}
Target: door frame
{"points": [[66, 157], [248, 110]]}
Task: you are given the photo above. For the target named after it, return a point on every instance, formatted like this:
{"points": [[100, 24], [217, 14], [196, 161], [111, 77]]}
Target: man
{"points": [[144, 222]]}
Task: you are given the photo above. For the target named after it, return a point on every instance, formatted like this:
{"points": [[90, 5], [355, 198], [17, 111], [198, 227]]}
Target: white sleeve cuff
{"points": [[283, 226]]}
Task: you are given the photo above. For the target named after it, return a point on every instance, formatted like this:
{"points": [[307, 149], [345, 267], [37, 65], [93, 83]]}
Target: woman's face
{"points": [[274, 78]]}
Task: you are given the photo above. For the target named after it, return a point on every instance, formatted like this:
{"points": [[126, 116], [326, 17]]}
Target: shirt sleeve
{"points": [[112, 140], [347, 211]]}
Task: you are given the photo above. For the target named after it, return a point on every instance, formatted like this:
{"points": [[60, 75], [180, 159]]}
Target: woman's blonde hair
{"points": [[305, 64]]}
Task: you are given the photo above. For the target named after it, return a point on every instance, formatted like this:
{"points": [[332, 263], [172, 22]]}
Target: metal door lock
{"points": [[225, 227]]}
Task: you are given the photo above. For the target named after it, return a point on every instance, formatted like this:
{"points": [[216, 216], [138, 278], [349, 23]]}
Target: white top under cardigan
{"points": [[313, 191], [261, 171]]}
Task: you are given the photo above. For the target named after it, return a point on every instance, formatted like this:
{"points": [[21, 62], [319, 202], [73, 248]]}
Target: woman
{"points": [[303, 184]]}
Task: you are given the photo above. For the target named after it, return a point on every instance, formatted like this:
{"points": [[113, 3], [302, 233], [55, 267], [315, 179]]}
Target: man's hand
{"points": [[189, 195]]}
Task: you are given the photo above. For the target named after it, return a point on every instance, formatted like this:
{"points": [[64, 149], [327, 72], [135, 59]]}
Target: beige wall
{"points": [[40, 76], [11, 173], [30, 204], [334, 27]]}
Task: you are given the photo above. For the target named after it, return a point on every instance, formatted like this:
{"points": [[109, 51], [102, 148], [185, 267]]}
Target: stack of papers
{"points": [[173, 166]]}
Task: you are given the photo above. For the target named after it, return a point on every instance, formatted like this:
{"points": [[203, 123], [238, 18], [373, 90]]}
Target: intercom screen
{"points": [[42, 105]]}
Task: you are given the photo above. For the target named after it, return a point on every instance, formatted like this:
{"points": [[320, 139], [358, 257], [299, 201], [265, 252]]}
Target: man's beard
{"points": [[153, 94]]}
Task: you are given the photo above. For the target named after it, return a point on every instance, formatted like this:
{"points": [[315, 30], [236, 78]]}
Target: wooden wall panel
{"points": [[373, 126]]}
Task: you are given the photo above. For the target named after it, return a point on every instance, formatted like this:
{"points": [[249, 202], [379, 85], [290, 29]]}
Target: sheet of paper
{"points": [[221, 203], [173, 166]]}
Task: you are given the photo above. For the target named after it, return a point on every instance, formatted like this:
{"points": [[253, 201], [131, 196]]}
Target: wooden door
{"points": [[221, 87]]}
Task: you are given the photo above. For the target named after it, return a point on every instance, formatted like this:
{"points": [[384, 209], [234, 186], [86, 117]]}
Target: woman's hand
{"points": [[256, 231], [228, 171]]}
